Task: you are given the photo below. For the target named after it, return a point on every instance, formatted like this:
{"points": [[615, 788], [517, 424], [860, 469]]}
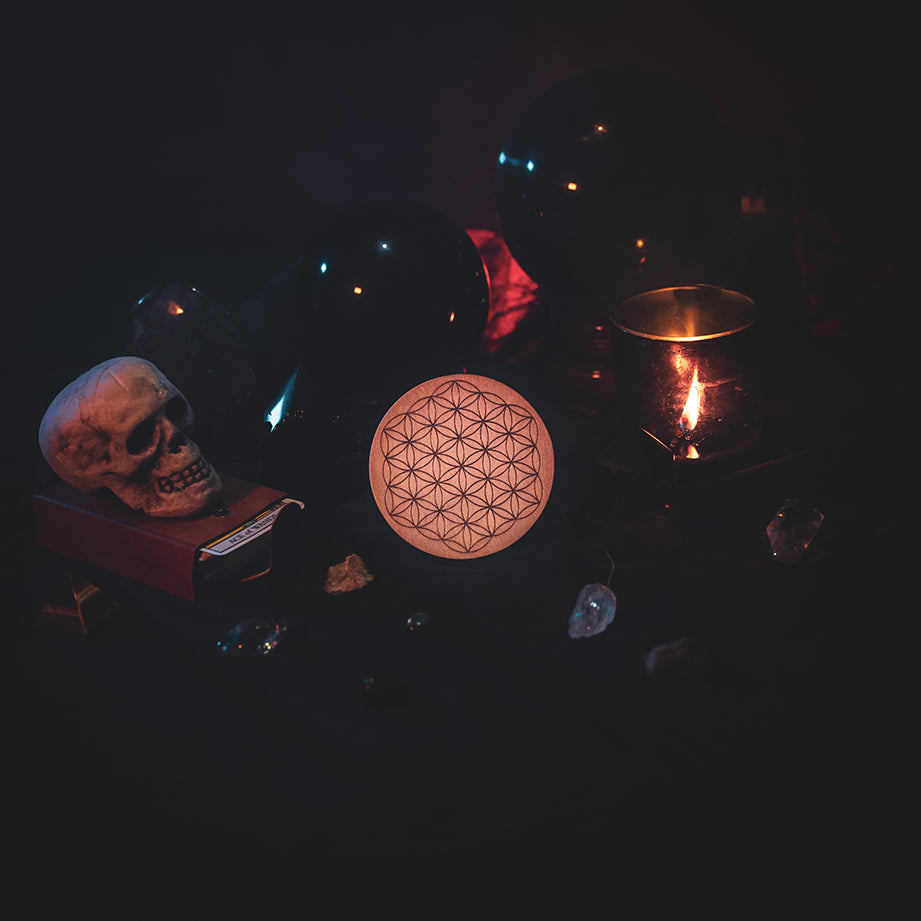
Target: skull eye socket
{"points": [[176, 408], [141, 436]]}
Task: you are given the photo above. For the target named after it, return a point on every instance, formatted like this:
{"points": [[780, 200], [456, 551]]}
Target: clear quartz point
{"points": [[792, 530], [594, 610], [255, 637]]}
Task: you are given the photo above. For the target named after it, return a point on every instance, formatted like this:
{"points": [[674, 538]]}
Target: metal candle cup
{"points": [[686, 361]]}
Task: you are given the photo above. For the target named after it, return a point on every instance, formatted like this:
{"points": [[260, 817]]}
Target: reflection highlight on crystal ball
{"points": [[388, 290]]}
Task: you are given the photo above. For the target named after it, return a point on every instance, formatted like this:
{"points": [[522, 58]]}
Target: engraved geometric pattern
{"points": [[461, 466]]}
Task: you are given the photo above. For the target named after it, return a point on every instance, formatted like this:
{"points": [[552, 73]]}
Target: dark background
{"points": [[220, 136], [141, 141], [232, 125]]}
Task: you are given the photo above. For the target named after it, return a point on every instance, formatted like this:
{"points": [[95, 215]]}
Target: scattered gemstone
{"points": [[255, 637], [594, 611], [347, 576], [417, 622], [666, 657], [792, 530]]}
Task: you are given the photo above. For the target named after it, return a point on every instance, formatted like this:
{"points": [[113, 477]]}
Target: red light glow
{"points": [[512, 294], [174, 309]]}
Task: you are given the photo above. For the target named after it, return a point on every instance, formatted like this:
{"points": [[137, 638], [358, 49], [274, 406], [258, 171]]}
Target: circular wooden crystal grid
{"points": [[461, 466]]}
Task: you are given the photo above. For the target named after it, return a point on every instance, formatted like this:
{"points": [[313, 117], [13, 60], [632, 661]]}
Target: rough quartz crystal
{"points": [[792, 530], [347, 576], [594, 610]]}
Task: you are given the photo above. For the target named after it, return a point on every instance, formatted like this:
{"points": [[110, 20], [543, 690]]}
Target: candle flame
{"points": [[691, 412]]}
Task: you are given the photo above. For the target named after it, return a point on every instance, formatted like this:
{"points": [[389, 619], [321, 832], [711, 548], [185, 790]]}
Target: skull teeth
{"points": [[194, 473]]}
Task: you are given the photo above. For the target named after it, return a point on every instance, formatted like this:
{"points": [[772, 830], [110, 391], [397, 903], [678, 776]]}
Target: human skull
{"points": [[123, 426]]}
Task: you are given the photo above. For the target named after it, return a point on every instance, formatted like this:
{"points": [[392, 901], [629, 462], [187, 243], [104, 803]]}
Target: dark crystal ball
{"points": [[319, 441], [198, 341], [615, 181], [388, 295]]}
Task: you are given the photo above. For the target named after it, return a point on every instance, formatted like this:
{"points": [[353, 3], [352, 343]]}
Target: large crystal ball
{"points": [[614, 181], [389, 293]]}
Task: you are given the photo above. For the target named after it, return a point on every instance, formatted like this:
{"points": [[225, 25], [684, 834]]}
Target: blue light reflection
{"points": [[283, 401]]}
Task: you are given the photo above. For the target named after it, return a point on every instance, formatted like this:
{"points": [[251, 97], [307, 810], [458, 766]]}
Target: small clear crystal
{"points": [[594, 610], [417, 621], [792, 530], [255, 637]]}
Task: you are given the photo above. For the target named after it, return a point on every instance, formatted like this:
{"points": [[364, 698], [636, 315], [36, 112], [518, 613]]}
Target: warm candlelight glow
{"points": [[174, 309], [572, 186], [677, 343], [682, 365], [691, 411]]}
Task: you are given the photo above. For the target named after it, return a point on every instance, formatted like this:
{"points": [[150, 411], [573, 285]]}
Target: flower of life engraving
{"points": [[461, 466]]}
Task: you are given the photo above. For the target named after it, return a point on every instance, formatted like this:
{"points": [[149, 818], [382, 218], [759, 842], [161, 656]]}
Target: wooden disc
{"points": [[461, 466]]}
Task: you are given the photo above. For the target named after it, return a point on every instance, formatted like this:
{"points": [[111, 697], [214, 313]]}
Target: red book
{"points": [[176, 555]]}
